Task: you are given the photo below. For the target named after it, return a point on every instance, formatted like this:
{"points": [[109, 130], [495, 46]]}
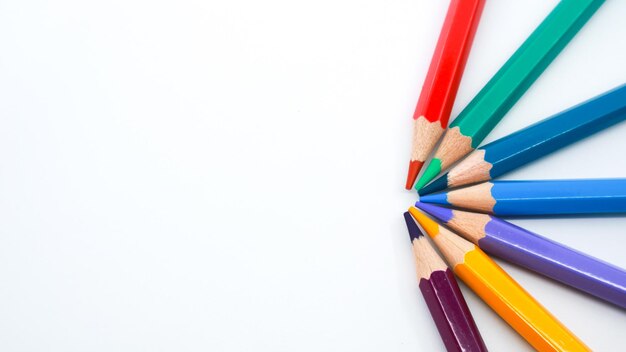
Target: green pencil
{"points": [[507, 86]]}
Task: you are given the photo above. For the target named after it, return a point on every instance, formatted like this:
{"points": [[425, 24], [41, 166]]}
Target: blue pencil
{"points": [[535, 141], [539, 197]]}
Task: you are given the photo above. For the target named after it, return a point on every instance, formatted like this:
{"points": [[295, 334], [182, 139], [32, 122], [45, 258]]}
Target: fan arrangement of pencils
{"points": [[457, 209]]}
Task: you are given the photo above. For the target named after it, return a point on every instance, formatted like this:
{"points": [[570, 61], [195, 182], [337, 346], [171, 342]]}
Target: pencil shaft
{"points": [[559, 197], [556, 132], [448, 61], [537, 253], [450, 312], [524, 67], [520, 310]]}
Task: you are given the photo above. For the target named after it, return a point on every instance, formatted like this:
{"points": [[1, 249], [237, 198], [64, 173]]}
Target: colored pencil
{"points": [[507, 86], [443, 297], [534, 252], [442, 80], [505, 296], [538, 197], [535, 141]]}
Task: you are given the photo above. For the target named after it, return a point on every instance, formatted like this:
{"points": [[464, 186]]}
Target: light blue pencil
{"points": [[538, 197]]}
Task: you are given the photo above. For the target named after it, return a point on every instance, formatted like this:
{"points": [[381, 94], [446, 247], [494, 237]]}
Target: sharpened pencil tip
{"points": [[414, 169], [437, 185], [441, 213], [432, 170], [411, 226], [430, 226], [436, 198]]}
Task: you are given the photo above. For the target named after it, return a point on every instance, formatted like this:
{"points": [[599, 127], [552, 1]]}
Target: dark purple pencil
{"points": [[524, 248], [443, 296]]}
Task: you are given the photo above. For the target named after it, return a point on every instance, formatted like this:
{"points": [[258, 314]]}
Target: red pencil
{"points": [[442, 80]]}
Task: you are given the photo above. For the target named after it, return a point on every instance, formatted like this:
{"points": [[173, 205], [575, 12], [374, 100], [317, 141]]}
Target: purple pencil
{"points": [[443, 296], [524, 248]]}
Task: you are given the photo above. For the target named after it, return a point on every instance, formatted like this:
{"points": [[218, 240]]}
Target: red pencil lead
{"points": [[414, 169]]}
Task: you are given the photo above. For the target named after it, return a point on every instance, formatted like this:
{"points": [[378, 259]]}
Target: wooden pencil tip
{"points": [[436, 198], [411, 226], [441, 213], [437, 185], [432, 170], [414, 169], [429, 225]]}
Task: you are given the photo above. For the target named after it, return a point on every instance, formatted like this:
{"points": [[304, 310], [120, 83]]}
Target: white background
{"points": [[228, 176]]}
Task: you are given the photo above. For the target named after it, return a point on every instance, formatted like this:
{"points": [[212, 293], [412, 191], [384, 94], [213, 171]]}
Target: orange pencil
{"points": [[505, 296]]}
